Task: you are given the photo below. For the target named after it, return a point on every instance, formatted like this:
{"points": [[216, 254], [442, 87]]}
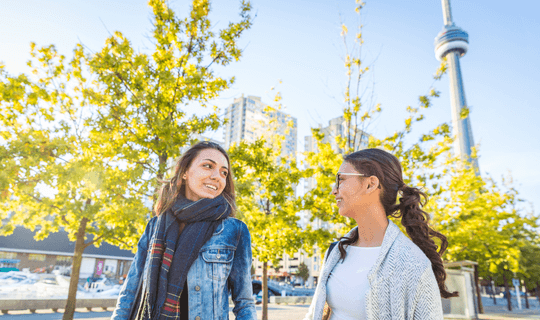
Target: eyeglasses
{"points": [[339, 174]]}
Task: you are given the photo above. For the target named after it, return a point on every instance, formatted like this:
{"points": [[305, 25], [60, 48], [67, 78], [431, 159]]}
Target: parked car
{"points": [[62, 270], [257, 291], [259, 297], [48, 280], [101, 284], [278, 288], [40, 270], [17, 277], [257, 287], [513, 294]]}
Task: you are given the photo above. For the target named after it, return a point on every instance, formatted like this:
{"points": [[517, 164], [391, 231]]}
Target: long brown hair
{"points": [[386, 167], [175, 187]]}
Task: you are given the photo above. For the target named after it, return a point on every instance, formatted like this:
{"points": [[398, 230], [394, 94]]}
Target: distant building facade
{"points": [[288, 267], [56, 253], [248, 120]]}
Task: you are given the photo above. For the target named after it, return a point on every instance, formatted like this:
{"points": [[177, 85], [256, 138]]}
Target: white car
{"points": [[101, 284], [17, 277]]}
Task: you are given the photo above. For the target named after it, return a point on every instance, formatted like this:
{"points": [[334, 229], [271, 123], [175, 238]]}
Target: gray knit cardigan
{"points": [[402, 283]]}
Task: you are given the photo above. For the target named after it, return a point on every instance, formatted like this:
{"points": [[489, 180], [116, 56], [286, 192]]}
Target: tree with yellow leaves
{"points": [[84, 142], [266, 178]]}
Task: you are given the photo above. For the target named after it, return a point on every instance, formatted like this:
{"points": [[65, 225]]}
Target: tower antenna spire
{"points": [[453, 42], [447, 13]]}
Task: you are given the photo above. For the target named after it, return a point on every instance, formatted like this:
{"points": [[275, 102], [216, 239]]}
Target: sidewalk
{"points": [[297, 312], [500, 310]]}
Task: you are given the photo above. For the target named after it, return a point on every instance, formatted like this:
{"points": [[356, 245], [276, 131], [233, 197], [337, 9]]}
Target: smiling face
{"points": [[206, 177], [355, 193]]}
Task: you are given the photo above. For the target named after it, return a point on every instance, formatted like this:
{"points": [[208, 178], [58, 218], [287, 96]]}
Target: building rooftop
{"points": [[22, 240]]}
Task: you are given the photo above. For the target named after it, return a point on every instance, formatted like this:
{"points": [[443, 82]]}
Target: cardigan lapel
{"points": [[392, 231], [328, 265]]}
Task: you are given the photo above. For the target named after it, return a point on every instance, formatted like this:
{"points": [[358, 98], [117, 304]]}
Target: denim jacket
{"points": [[224, 262]]}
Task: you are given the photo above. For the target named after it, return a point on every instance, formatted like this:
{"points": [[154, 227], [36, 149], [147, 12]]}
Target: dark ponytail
{"points": [[386, 167]]}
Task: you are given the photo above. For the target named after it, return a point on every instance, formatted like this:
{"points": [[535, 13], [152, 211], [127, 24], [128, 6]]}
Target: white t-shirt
{"points": [[348, 283]]}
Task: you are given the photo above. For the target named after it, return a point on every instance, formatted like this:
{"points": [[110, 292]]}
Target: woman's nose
{"points": [[215, 174]]}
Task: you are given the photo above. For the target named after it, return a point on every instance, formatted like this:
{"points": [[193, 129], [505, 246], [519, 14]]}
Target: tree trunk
{"points": [[162, 170], [526, 297], [493, 292], [508, 294], [75, 271], [265, 291], [479, 297], [538, 291]]}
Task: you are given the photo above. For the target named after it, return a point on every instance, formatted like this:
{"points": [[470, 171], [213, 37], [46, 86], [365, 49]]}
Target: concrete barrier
{"points": [[54, 304], [291, 299]]}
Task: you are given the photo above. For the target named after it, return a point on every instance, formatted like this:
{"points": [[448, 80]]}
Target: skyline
{"points": [[299, 44]]}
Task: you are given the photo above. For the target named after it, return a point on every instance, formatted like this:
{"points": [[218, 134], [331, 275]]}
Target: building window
{"points": [[8, 255], [36, 257], [63, 258]]}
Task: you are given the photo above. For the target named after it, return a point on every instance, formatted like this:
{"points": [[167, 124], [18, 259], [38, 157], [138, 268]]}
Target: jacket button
{"points": [[197, 318], [218, 256], [197, 288]]}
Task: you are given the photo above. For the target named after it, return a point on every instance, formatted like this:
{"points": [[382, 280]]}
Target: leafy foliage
{"points": [[303, 271], [481, 221], [52, 175], [266, 198], [142, 98], [421, 160], [82, 142]]}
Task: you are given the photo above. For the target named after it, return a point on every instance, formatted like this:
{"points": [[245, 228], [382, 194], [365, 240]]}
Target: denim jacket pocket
{"points": [[219, 262]]}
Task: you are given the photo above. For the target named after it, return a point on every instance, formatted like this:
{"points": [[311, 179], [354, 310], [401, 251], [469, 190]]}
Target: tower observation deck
{"points": [[453, 42]]}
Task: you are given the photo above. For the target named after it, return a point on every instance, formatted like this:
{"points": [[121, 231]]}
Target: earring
{"points": [[184, 177]]}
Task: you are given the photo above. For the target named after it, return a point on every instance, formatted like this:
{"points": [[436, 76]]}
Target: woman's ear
{"points": [[373, 184]]}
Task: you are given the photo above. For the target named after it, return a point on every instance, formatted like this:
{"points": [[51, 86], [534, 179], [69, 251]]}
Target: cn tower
{"points": [[453, 42]]}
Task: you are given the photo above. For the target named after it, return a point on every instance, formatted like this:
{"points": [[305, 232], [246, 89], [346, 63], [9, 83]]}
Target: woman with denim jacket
{"points": [[375, 271], [194, 252]]}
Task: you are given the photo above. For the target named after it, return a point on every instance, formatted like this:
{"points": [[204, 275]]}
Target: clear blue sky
{"points": [[298, 42]]}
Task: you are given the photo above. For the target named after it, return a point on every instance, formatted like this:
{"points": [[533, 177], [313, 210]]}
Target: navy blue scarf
{"points": [[173, 253]]}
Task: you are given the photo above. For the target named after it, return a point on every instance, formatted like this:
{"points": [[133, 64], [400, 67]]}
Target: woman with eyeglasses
{"points": [[375, 271], [193, 253]]}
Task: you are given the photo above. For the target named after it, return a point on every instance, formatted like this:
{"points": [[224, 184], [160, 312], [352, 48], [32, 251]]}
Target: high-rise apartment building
{"points": [[248, 120]]}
